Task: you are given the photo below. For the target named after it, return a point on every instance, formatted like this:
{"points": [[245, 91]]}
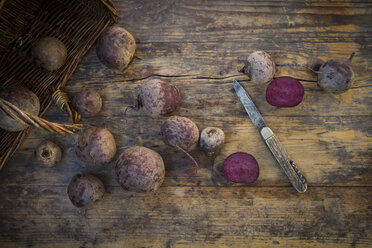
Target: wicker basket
{"points": [[77, 23]]}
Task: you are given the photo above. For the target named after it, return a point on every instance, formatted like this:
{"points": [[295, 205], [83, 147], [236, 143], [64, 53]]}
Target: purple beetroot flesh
{"points": [[284, 92], [241, 167]]}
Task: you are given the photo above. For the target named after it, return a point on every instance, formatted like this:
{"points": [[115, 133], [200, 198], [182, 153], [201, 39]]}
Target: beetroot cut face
{"points": [[241, 167], [284, 92]]}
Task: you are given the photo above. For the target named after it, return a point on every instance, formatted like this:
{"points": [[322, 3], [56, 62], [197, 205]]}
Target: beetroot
{"points": [[211, 140], [182, 133], [96, 146], [85, 189], [260, 67], [87, 102], [48, 153], [336, 76], [159, 97], [284, 92], [49, 53], [241, 167], [140, 169], [22, 98], [115, 48]]}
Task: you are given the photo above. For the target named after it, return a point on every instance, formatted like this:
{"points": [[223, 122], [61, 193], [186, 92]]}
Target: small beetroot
{"points": [[260, 67], [48, 153], [284, 92], [159, 97], [336, 76], [211, 140], [241, 167]]}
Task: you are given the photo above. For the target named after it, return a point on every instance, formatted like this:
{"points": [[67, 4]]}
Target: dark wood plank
{"points": [[212, 217]]}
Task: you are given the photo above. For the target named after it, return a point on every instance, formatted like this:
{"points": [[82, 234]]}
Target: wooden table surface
{"points": [[199, 46]]}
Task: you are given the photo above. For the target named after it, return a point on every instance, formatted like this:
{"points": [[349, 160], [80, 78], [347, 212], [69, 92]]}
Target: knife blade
{"points": [[278, 152]]}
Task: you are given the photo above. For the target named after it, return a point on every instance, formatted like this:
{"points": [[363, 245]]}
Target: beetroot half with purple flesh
{"points": [[241, 167], [284, 92]]}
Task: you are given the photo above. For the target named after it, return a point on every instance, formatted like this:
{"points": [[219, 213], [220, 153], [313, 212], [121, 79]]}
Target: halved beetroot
{"points": [[284, 92], [241, 167]]}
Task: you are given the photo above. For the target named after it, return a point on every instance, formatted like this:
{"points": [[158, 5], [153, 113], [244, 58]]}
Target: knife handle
{"points": [[283, 161]]}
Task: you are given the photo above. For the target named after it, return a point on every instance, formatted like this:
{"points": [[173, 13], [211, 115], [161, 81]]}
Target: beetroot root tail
{"points": [[196, 165]]}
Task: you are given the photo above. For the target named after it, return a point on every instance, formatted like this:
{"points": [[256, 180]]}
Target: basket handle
{"points": [[111, 8], [23, 117]]}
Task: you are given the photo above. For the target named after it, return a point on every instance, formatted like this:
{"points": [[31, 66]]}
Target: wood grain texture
{"points": [[188, 217], [199, 46]]}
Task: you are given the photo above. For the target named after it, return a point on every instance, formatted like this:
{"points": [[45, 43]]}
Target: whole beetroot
{"points": [[284, 92], [96, 146], [241, 167], [84, 190], [159, 97], [48, 153], [211, 140], [140, 169], [87, 102], [260, 67], [115, 48], [336, 76], [49, 53], [22, 98], [182, 133]]}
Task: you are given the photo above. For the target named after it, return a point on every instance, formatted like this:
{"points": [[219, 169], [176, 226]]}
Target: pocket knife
{"points": [[277, 150]]}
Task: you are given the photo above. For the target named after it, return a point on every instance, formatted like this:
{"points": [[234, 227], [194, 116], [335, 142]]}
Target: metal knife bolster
{"points": [[283, 161]]}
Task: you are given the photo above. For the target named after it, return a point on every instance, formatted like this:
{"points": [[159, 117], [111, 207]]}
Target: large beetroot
{"points": [[140, 169], [284, 92]]}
